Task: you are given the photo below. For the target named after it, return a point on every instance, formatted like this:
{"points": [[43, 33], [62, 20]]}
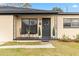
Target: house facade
{"points": [[26, 23]]}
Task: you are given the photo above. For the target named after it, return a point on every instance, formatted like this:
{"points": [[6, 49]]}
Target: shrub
{"points": [[77, 36], [65, 38]]}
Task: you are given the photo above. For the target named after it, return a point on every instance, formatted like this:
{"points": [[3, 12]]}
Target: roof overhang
{"points": [[27, 11], [68, 13]]}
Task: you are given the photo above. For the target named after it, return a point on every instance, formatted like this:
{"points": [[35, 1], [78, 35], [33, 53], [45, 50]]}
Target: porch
{"points": [[34, 27]]}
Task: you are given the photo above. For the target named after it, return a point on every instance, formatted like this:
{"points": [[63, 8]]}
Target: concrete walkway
{"points": [[27, 40], [48, 45], [2, 43]]}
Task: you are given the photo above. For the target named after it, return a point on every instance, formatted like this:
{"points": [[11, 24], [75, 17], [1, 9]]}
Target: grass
{"points": [[21, 43], [62, 49]]}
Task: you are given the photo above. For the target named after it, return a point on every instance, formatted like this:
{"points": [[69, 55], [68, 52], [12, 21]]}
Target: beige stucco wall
{"points": [[39, 18], [70, 32], [56, 22], [6, 28]]}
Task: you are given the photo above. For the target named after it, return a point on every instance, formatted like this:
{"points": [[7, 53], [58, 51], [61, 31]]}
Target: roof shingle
{"points": [[9, 9]]}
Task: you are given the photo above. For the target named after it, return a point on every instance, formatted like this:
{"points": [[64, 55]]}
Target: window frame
{"points": [[30, 25], [72, 19]]}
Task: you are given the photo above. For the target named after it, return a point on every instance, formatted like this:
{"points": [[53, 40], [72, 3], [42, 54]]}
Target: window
{"points": [[75, 23], [71, 22], [33, 26], [67, 23], [29, 25]]}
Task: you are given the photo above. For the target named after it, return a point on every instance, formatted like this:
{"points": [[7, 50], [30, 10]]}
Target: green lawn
{"points": [[21, 43], [62, 49]]}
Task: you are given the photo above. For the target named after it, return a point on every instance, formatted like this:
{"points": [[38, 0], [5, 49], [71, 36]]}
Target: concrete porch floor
{"points": [[27, 40]]}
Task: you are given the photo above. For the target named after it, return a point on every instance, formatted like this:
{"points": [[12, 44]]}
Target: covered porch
{"points": [[34, 27]]}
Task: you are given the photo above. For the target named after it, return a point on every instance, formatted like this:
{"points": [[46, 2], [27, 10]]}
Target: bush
{"points": [[65, 39], [77, 36]]}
